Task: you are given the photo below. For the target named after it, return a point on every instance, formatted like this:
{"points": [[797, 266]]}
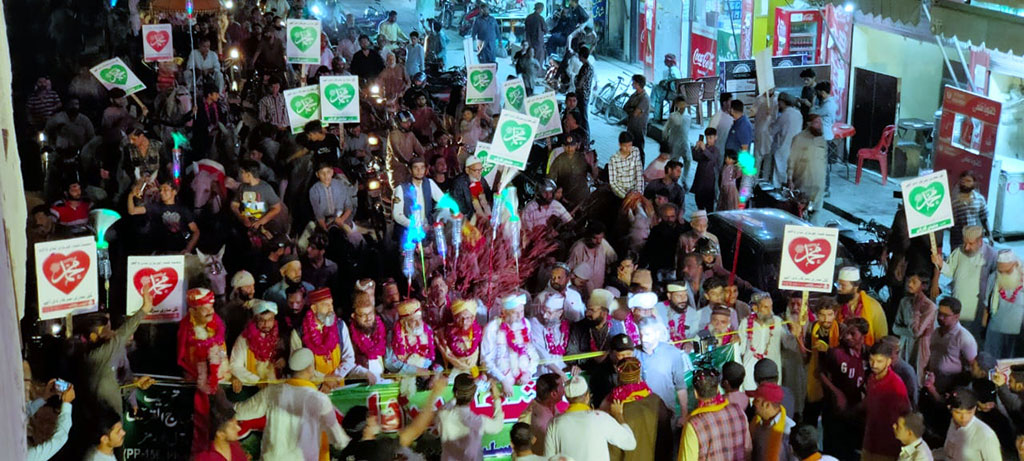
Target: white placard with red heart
{"points": [[66, 277], [166, 278], [156, 42], [808, 258]]}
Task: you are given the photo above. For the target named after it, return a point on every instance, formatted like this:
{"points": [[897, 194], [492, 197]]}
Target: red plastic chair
{"points": [[879, 153]]}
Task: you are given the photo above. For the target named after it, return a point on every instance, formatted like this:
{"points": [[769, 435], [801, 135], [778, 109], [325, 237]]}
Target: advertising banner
{"points": [[808, 258], [156, 42], [838, 54], [165, 276], [967, 135], [114, 73], [66, 277], [703, 54]]}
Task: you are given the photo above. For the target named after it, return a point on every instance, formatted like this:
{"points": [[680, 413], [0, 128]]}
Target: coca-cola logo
{"points": [[704, 60]]}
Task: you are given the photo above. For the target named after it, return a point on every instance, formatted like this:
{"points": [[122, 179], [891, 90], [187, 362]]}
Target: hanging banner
{"points": [[980, 63], [156, 42], [340, 96], [303, 45], [66, 277], [747, 28], [515, 94], [165, 276], [728, 44], [838, 51], [808, 258], [967, 135], [113, 73], [513, 139], [481, 87], [303, 105], [483, 152], [928, 204], [703, 53], [765, 73], [646, 41], [545, 108]]}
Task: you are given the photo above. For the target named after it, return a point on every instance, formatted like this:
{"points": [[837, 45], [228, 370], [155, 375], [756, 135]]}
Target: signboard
{"points": [[927, 203], [340, 97], [765, 74], [514, 94], [165, 276], [545, 108], [303, 105], [481, 86], [66, 277], [703, 53], [513, 139], [727, 45], [303, 46], [838, 49], [967, 135], [113, 73], [808, 258], [156, 42]]}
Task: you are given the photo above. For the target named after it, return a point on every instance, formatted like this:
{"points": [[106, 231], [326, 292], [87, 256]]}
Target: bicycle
{"points": [[604, 96]]}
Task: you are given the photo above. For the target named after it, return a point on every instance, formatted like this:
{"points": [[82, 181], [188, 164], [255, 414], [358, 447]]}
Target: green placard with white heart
{"points": [[303, 105], [545, 108], [303, 45], [928, 204], [113, 73], [513, 93], [513, 139], [481, 83], [339, 95], [483, 152]]}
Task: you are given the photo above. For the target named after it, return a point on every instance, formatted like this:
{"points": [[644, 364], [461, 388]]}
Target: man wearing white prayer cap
{"points": [[506, 350], [550, 331], [297, 415], [854, 302], [581, 276], [698, 230], [584, 433], [681, 315], [256, 352], [1002, 339], [972, 266]]}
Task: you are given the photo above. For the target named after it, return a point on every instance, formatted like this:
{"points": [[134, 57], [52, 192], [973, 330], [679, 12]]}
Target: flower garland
{"points": [[263, 346], [320, 340], [725, 339], [370, 346], [517, 345], [750, 336], [629, 325], [558, 348], [404, 348], [631, 392], [677, 329], [455, 340], [1013, 297]]}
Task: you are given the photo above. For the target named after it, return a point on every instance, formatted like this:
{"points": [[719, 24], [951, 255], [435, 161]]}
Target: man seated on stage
{"points": [[507, 352]]}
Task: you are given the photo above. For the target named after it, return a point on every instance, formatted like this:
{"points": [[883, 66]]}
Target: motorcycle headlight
{"points": [[42, 137], [373, 184], [372, 141], [233, 53]]}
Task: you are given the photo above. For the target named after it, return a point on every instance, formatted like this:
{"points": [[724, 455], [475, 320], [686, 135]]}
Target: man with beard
{"points": [[590, 334], [659, 251], [404, 148], [570, 170], [761, 334], [971, 266], [581, 275], [593, 250], [471, 191], [258, 354], [412, 341], [436, 308], [641, 306], [291, 317], [854, 302], [369, 338], [73, 210], [367, 62], [549, 330], [821, 337], [969, 209], [1002, 339], [669, 185], [698, 230], [323, 333], [507, 351], [291, 275], [235, 312], [807, 163], [388, 310], [460, 340], [559, 284], [683, 321], [544, 210], [843, 375], [415, 199], [884, 402], [203, 358], [664, 367]]}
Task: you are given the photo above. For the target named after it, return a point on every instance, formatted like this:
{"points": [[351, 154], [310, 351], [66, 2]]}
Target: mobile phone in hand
{"points": [[61, 385]]}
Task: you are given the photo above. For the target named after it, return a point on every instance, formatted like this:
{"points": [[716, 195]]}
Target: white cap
{"points": [[472, 160], [260, 306], [673, 288], [300, 359], [583, 271], [698, 214], [513, 301], [1006, 256], [242, 278], [645, 300], [554, 301], [849, 274], [576, 387]]}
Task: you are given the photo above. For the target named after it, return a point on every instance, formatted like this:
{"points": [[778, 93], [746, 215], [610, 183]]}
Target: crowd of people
{"points": [[609, 302]]}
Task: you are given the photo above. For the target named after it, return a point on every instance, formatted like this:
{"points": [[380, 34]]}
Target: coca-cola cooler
{"points": [[800, 32]]}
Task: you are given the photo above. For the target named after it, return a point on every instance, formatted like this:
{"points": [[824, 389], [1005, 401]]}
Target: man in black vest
{"points": [[470, 190], [415, 199]]}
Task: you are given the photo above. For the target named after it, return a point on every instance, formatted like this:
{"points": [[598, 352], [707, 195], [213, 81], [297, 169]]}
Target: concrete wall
{"points": [[917, 64]]}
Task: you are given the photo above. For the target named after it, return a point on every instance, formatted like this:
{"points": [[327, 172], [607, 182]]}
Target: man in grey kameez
{"points": [[784, 128]]}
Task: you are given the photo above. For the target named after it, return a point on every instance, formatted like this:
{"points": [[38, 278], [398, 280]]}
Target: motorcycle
{"points": [[865, 245], [783, 198], [556, 77]]}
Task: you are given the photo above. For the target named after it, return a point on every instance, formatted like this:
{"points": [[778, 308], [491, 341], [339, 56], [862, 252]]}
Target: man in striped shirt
{"points": [[969, 209], [43, 103]]}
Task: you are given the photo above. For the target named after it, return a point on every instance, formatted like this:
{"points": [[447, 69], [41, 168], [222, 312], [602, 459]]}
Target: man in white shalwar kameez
{"points": [[256, 351], [550, 331], [506, 351], [766, 109], [297, 415], [760, 337], [786, 125]]}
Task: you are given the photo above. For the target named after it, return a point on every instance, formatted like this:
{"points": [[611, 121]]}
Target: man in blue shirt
{"points": [[742, 132], [486, 32], [826, 108]]}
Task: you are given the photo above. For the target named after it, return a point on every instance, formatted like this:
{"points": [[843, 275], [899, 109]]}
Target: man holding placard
{"points": [[854, 302], [972, 267]]}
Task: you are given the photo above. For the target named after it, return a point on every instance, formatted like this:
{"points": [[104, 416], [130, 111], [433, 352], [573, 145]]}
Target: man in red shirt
{"points": [[74, 209], [843, 374], [885, 402]]}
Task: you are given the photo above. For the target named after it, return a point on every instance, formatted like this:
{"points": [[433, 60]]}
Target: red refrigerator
{"points": [[800, 32]]}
